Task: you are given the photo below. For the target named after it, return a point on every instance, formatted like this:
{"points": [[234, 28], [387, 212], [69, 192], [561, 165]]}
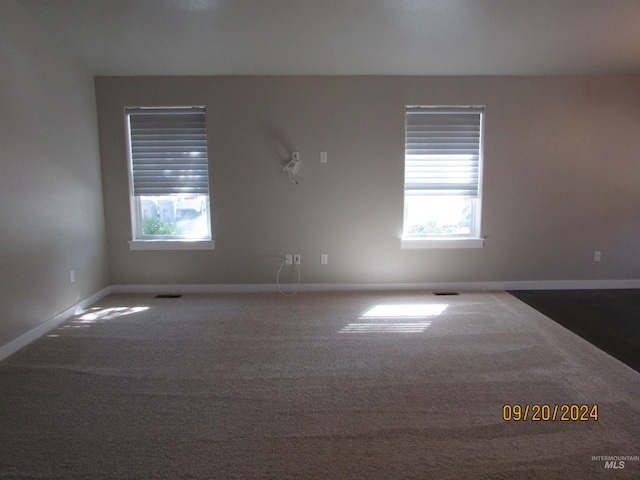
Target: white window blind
{"points": [[168, 151], [442, 151]]}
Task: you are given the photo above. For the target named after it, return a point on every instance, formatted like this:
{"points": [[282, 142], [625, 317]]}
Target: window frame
{"points": [[141, 241], [472, 239]]}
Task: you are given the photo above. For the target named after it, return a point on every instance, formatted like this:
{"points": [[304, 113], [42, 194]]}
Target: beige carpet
{"points": [[320, 385]]}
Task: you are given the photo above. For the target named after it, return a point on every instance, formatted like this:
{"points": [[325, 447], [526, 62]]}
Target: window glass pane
{"points": [[183, 216], [438, 215]]}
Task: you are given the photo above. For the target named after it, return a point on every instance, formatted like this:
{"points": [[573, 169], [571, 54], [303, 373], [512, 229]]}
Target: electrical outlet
{"points": [[72, 276], [324, 259], [597, 256], [288, 259], [296, 259]]}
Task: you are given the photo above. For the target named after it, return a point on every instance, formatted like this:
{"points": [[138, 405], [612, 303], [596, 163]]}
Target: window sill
{"points": [[418, 243], [172, 245]]}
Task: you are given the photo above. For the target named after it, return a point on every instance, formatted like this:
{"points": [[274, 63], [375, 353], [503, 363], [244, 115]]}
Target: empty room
{"points": [[324, 239]]}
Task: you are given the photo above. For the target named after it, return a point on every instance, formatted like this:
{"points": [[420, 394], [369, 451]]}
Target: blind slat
{"points": [[169, 151], [442, 151]]}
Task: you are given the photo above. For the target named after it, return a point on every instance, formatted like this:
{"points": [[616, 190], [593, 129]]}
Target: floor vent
{"points": [[166, 295], [445, 293]]}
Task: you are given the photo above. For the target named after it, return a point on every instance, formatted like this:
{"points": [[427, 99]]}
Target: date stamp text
{"points": [[549, 413]]}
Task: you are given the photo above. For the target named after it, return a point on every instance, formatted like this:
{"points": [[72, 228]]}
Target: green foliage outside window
{"points": [[155, 226], [430, 227]]}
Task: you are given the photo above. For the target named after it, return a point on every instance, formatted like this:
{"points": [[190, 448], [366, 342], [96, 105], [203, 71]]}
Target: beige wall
{"points": [[51, 212], [561, 178]]}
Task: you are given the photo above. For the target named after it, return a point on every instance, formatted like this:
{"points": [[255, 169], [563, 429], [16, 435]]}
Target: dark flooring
{"points": [[609, 319]]}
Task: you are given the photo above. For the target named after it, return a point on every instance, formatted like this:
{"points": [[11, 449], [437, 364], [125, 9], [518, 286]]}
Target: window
{"points": [[169, 178], [443, 172]]}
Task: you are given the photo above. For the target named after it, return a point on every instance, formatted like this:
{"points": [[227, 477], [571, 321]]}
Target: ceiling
{"points": [[345, 37]]}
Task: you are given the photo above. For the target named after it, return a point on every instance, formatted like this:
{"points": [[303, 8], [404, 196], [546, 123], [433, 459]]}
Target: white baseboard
{"points": [[328, 287], [570, 284], [42, 329]]}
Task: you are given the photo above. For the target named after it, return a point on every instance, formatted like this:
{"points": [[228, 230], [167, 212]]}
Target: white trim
{"points": [[197, 288], [571, 284], [42, 329], [172, 244], [415, 243], [329, 287]]}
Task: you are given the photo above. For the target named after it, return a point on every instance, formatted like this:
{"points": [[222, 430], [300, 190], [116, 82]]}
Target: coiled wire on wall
{"points": [[290, 294]]}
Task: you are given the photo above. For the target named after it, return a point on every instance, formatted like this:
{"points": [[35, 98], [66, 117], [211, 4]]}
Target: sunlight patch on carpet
{"points": [[98, 314], [393, 318], [405, 310], [386, 327], [95, 314]]}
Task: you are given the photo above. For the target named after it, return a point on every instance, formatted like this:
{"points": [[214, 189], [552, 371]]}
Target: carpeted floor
{"points": [[320, 385]]}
